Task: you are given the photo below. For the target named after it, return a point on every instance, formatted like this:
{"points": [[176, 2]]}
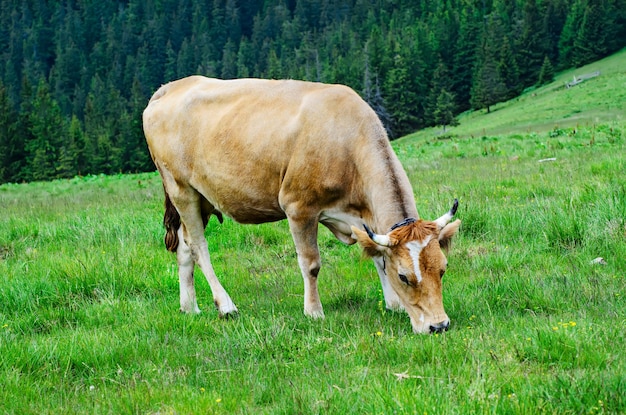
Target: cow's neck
{"points": [[390, 193]]}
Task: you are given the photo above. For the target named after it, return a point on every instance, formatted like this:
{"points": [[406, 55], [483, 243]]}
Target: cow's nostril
{"points": [[440, 327]]}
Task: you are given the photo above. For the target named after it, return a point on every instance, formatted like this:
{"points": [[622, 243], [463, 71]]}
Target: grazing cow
{"points": [[261, 151]]}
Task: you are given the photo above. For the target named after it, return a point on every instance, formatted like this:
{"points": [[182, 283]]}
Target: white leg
{"points": [[222, 300], [193, 236], [392, 301], [188, 302]]}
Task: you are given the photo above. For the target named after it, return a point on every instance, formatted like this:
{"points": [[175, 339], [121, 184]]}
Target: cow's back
{"points": [[241, 143]]}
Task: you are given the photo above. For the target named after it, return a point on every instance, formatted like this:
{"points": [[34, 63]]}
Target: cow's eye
{"points": [[443, 271], [403, 278]]}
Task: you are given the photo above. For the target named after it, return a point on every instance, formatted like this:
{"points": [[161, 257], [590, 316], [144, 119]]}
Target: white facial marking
{"points": [[422, 318], [415, 248]]}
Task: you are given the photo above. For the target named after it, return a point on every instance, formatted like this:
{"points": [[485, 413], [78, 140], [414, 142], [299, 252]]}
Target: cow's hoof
{"points": [[227, 309], [315, 314], [190, 310]]}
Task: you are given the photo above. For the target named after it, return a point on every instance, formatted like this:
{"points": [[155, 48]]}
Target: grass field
{"points": [[89, 296]]}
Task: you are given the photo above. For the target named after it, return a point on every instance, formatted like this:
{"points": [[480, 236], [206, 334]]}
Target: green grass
{"points": [[89, 296]]}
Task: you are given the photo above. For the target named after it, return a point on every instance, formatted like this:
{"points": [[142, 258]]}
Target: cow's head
{"points": [[414, 265]]}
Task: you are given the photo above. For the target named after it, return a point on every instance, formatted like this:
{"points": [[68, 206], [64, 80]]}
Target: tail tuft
{"points": [[171, 221]]}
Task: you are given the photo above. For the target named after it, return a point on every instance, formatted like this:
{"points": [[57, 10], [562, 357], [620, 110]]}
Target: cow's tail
{"points": [[171, 221]]}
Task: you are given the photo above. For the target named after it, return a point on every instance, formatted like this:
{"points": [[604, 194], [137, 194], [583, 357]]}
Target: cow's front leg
{"points": [[392, 301], [188, 302], [304, 234]]}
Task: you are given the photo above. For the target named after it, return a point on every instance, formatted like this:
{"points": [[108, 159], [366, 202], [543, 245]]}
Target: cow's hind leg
{"points": [[304, 233], [188, 302], [175, 242], [193, 245]]}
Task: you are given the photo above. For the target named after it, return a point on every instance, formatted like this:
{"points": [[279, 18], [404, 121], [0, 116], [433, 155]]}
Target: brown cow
{"points": [[261, 151]]}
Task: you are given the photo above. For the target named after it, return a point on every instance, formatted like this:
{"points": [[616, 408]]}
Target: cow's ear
{"points": [[370, 248], [446, 234]]}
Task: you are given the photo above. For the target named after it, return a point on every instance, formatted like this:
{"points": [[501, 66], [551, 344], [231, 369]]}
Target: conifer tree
{"points": [[402, 99], [171, 63], [532, 44], [229, 60], [591, 42], [546, 75], [47, 129], [509, 70], [465, 58], [488, 88], [76, 137], [8, 127], [570, 32], [443, 113], [555, 13], [440, 83]]}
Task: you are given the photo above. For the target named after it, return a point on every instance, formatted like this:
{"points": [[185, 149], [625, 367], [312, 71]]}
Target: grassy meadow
{"points": [[89, 319]]}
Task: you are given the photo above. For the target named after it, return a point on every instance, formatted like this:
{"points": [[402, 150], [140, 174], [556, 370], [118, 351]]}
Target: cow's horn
{"points": [[379, 239], [454, 207], [445, 219]]}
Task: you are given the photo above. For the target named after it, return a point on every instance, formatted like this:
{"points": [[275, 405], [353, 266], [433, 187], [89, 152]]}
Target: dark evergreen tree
{"points": [[8, 128], [464, 60], [440, 83], [546, 75], [377, 54], [532, 44], [18, 169], [135, 154], [591, 40], [245, 59], [48, 129], [555, 13], [103, 111], [76, 138], [443, 113], [570, 33], [171, 63], [186, 63], [488, 88], [401, 98], [509, 70], [229, 60], [67, 163]]}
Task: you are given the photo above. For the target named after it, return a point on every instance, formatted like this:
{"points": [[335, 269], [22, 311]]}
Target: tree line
{"points": [[76, 74]]}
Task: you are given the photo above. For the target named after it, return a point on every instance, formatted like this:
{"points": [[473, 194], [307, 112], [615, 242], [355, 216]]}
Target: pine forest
{"points": [[75, 75]]}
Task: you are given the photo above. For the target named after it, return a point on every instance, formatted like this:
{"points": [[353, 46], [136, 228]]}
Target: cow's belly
{"points": [[243, 203], [253, 213]]}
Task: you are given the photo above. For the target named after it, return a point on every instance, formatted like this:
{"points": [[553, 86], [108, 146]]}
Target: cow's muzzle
{"points": [[440, 327]]}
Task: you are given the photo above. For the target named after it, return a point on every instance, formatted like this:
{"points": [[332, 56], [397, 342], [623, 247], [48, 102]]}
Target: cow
{"points": [[266, 150]]}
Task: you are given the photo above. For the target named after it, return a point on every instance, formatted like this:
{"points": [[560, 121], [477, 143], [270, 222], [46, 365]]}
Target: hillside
{"points": [[599, 100]]}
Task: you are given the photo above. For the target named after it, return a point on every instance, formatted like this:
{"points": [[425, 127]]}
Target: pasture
{"points": [[89, 319], [89, 297]]}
